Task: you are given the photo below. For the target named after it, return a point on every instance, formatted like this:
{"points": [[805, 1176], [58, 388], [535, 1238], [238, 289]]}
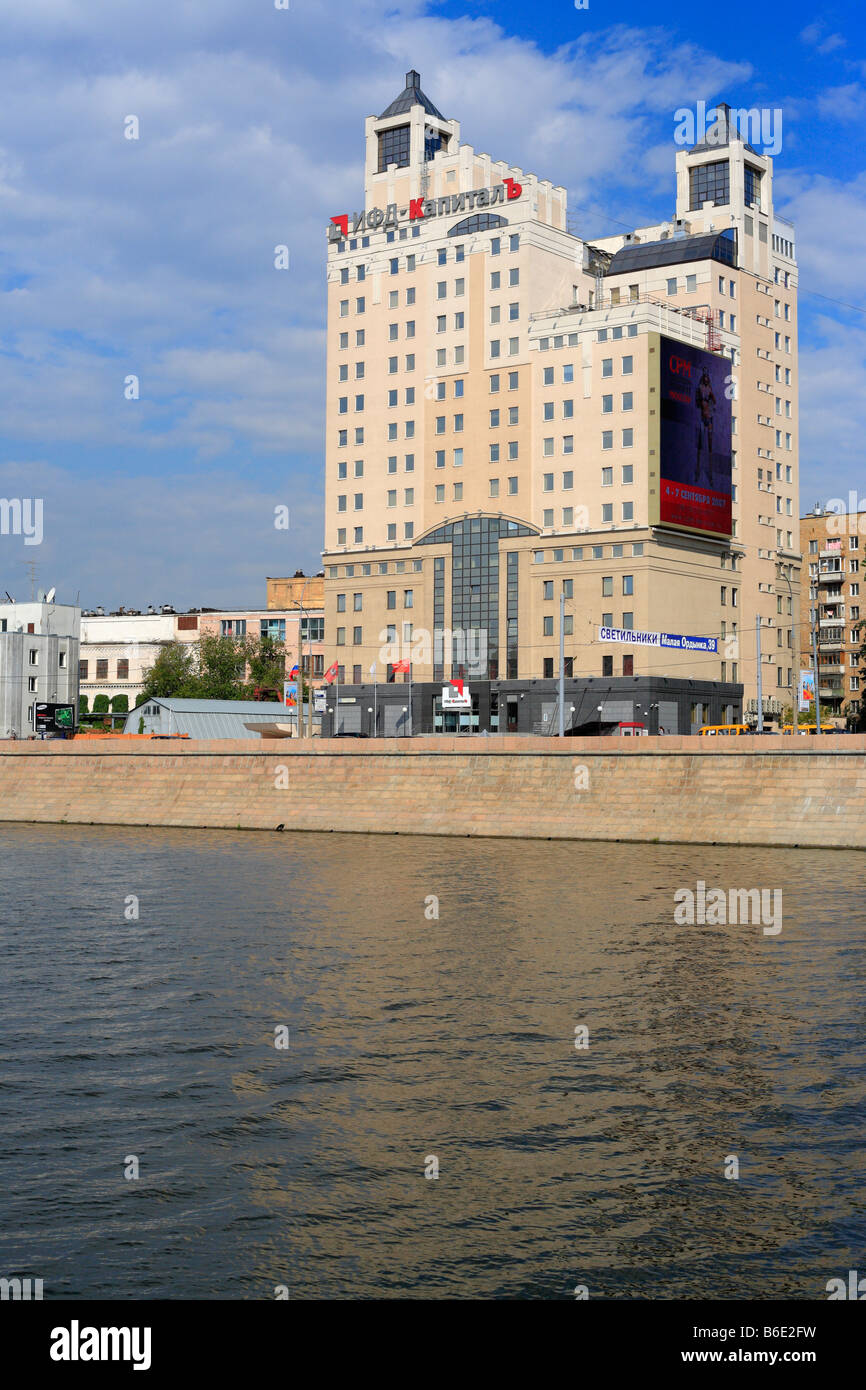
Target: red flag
{"points": [[404, 665], [331, 673]]}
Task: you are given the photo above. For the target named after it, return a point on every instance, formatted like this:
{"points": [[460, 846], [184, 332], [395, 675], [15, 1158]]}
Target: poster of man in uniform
{"points": [[694, 438]]}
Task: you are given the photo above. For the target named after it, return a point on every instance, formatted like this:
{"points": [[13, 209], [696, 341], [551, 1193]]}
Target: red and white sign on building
{"points": [[456, 696]]}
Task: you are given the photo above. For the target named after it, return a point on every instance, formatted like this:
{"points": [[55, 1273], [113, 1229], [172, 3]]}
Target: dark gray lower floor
{"points": [[591, 705]]}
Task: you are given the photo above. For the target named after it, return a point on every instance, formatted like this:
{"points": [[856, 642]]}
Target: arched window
{"points": [[480, 222]]}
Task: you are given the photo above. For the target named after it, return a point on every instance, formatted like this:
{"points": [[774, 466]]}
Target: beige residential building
{"points": [[500, 400], [832, 542]]}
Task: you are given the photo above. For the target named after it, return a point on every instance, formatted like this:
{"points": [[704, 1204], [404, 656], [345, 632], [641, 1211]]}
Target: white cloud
{"points": [[846, 103]]}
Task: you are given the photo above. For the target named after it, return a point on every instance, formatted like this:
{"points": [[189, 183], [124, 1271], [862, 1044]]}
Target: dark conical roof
{"points": [[724, 130], [411, 96]]}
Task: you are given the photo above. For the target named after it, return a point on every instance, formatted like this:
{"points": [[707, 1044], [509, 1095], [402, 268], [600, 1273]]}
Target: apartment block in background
{"points": [[833, 543]]}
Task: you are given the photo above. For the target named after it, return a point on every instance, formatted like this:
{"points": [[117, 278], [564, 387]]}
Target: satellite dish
{"points": [[40, 596], [49, 597]]}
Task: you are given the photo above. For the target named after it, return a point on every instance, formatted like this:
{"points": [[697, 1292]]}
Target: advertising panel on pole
{"points": [[53, 718], [807, 690], [290, 693], [689, 437]]}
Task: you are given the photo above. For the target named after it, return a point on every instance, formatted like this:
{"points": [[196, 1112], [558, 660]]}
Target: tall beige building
{"points": [[500, 400]]}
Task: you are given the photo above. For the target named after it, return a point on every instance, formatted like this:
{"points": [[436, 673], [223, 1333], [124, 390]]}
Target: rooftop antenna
{"points": [[31, 571], [9, 596], [429, 133]]}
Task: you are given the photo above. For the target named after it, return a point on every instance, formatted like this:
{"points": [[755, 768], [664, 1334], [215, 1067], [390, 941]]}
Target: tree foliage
{"points": [[215, 668]]}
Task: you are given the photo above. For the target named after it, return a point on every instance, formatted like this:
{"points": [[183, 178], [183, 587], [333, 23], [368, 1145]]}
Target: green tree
{"points": [[804, 716], [222, 665], [141, 723], [266, 659], [100, 704], [215, 668], [172, 673], [82, 704], [120, 704]]}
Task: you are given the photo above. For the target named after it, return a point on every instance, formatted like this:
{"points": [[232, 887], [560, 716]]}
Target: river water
{"points": [[148, 1043]]}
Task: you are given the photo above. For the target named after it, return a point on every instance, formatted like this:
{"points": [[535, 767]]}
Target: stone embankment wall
{"points": [[767, 791]]}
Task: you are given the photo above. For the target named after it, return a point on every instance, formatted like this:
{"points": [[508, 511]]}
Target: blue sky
{"points": [[154, 257]]}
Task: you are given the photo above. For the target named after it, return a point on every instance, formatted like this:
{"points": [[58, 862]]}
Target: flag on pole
{"points": [[331, 673], [404, 665], [294, 671]]}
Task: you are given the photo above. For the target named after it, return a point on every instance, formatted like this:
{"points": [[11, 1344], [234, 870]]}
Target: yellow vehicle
{"points": [[809, 729], [725, 729]]}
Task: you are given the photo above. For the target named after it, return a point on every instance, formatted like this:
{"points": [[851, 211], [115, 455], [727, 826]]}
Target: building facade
{"points": [[304, 591], [39, 644], [832, 543], [118, 649], [493, 421]]}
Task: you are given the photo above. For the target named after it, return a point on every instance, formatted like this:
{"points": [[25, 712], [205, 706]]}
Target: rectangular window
{"points": [[709, 183]]}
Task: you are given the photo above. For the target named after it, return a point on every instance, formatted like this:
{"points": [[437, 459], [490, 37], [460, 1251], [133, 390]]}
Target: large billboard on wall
{"points": [[690, 438]]}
